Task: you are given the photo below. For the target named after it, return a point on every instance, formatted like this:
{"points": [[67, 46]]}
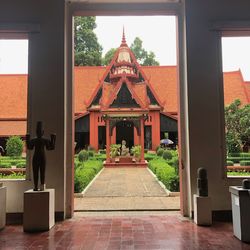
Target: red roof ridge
{"points": [[13, 119], [232, 72], [19, 74], [159, 66], [169, 115], [89, 67]]}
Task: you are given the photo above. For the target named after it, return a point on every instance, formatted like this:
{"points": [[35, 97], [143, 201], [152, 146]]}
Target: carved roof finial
{"points": [[124, 43]]}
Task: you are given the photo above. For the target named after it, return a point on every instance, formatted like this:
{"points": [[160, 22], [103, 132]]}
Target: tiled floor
{"points": [[125, 232], [126, 189]]}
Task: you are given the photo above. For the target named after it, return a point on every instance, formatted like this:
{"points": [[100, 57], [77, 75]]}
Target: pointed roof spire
{"points": [[124, 43]]}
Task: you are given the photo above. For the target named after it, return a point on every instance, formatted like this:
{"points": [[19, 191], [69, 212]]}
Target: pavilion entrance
{"points": [[125, 131]]}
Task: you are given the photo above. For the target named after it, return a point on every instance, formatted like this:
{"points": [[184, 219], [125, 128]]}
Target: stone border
{"points": [[80, 195], [169, 193]]}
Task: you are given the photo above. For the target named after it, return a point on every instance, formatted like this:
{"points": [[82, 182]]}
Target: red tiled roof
{"points": [[13, 91], [13, 96], [247, 88], [235, 88], [8, 128], [86, 80], [163, 80]]}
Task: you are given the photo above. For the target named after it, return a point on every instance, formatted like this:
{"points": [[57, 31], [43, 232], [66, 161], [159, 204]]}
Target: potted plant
{"points": [[115, 151], [136, 151]]}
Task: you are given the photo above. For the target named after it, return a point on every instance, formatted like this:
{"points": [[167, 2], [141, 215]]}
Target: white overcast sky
{"points": [[158, 34]]}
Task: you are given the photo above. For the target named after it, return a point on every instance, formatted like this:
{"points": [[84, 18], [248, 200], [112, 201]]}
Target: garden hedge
{"points": [[165, 173], [85, 172], [245, 163], [230, 163], [238, 159]]}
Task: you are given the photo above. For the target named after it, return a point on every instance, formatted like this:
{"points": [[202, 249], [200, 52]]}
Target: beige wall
{"points": [[204, 91], [47, 99], [46, 84]]}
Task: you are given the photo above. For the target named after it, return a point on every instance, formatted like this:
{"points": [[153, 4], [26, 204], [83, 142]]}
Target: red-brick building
{"points": [[122, 101]]}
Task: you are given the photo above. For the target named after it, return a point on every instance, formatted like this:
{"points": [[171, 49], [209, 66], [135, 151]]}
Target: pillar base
{"points": [[2, 206], [202, 210], [39, 210]]}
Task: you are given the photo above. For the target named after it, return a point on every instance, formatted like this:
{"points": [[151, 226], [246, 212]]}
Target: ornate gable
{"points": [[124, 99], [122, 76]]}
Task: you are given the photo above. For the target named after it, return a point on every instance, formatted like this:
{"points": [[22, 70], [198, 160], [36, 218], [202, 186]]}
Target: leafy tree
{"points": [[108, 56], [237, 121], [14, 146], [143, 57], [87, 49]]}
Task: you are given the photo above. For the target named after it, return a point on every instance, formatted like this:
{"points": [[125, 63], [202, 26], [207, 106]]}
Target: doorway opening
{"points": [[125, 131], [148, 122], [236, 78]]}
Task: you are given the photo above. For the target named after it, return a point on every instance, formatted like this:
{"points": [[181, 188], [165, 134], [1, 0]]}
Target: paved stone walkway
{"points": [[125, 189]]}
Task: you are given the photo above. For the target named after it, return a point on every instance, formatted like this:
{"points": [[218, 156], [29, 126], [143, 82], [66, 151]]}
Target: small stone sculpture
{"points": [[39, 158], [246, 184], [202, 186], [124, 149]]}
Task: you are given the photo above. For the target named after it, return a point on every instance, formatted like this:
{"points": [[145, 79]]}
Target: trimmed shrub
{"points": [[102, 151], [238, 173], [21, 165], [230, 163], [5, 165], [78, 164], [83, 155], [82, 178], [91, 153], [245, 155], [85, 172], [238, 159], [160, 151], [12, 176], [174, 162], [93, 164], [100, 157], [174, 153], [234, 154], [150, 157], [245, 163], [14, 146], [167, 155], [165, 173]]}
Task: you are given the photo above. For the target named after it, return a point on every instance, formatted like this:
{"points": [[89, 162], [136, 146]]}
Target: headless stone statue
{"points": [[39, 158], [246, 184], [124, 149], [202, 186]]}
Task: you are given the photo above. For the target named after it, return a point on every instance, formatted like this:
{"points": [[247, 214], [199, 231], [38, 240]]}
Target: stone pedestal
{"points": [[202, 210], [39, 210], [2, 206], [240, 209]]}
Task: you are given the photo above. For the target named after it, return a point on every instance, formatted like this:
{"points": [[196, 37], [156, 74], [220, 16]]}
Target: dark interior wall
{"points": [[205, 91], [46, 81]]}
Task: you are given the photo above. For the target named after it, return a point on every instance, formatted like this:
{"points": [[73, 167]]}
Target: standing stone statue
{"points": [[202, 186], [39, 158]]}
